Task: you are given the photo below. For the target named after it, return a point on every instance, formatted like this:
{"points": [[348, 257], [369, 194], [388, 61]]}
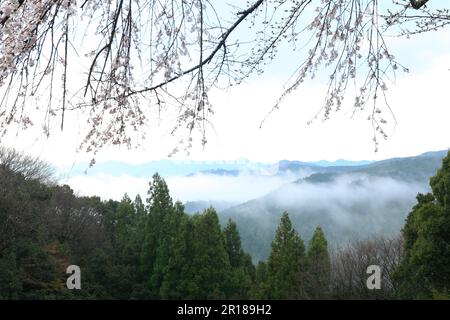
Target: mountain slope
{"points": [[347, 202]]}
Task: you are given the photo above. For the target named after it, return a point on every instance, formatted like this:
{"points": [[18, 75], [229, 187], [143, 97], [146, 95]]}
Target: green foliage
{"points": [[260, 288], [424, 272], [171, 255], [318, 270], [128, 250], [242, 269], [10, 278], [159, 206], [373, 216], [210, 266], [286, 259]]}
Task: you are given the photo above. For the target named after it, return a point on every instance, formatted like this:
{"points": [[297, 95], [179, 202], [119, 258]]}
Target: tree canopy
{"points": [[318, 266], [424, 271], [127, 250], [286, 259]]}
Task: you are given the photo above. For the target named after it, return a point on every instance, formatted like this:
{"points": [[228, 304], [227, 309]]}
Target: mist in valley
{"points": [[349, 203], [350, 207]]}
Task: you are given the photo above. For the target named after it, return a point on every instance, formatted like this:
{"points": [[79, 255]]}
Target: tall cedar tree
{"points": [[209, 268], [159, 205], [424, 271], [171, 255], [318, 266], [286, 259], [242, 269]]}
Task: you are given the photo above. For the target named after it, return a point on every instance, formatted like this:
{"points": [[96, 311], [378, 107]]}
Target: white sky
{"points": [[420, 101]]}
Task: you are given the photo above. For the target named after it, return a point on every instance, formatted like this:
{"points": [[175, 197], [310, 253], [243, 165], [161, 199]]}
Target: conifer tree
{"points": [[209, 268], [124, 219], [318, 266], [260, 288], [138, 234], [233, 244], [424, 271], [242, 269], [176, 280], [159, 205], [139, 206], [286, 259], [170, 255]]}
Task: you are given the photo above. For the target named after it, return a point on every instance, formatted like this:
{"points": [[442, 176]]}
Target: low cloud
{"points": [[350, 205], [108, 186], [239, 188], [208, 187]]}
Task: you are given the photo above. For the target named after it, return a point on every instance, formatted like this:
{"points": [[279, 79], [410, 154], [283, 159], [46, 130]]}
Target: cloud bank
{"points": [[208, 187]]}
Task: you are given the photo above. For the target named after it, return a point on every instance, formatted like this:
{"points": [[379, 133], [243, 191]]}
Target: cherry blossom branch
{"points": [[242, 16]]}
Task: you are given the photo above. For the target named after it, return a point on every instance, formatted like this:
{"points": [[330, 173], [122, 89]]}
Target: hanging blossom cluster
{"points": [[120, 62], [345, 39], [25, 27], [19, 32], [350, 42], [141, 59], [137, 53]]}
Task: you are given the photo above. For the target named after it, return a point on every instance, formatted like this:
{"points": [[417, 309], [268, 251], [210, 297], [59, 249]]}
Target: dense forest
{"points": [[153, 249]]}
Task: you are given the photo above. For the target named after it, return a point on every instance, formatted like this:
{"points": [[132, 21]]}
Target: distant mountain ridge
{"points": [[164, 167], [324, 163], [168, 167], [347, 202], [218, 172], [341, 163], [192, 207]]}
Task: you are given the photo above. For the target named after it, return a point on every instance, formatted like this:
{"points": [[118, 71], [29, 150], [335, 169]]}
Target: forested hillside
{"points": [[152, 249], [349, 203]]}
